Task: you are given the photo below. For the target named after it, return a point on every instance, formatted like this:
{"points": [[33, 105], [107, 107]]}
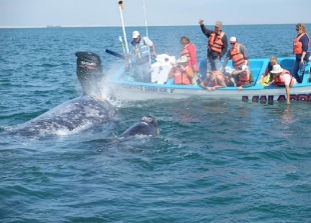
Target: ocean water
{"points": [[213, 160]]}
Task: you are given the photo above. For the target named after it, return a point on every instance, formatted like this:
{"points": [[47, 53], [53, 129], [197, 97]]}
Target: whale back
{"points": [[89, 72]]}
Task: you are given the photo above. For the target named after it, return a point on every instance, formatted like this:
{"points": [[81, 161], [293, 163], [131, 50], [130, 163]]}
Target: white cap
{"points": [[232, 39], [244, 67], [135, 34]]}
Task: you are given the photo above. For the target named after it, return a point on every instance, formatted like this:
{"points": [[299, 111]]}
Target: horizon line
{"points": [[103, 26]]}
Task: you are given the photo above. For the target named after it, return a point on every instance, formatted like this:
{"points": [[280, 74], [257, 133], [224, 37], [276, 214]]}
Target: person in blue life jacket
{"points": [[300, 49], [139, 54]]}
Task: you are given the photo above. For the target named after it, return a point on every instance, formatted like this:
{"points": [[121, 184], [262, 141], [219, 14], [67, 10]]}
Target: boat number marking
{"points": [[148, 88]]}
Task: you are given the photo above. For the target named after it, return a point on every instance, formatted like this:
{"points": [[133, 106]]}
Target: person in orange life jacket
{"points": [[301, 45], [282, 77], [243, 78], [273, 61], [214, 80], [189, 51], [139, 53], [217, 45], [237, 54], [181, 71]]}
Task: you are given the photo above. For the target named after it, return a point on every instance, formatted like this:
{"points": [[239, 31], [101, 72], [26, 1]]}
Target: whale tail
{"points": [[89, 72]]}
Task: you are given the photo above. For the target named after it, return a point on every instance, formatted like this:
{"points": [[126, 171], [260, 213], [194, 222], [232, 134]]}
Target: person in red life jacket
{"points": [[243, 78], [214, 80], [282, 77], [217, 45], [237, 54], [139, 53], [189, 51], [273, 61], [181, 71], [301, 45]]}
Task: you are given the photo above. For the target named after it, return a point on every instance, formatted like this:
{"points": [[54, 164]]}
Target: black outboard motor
{"points": [[89, 72]]}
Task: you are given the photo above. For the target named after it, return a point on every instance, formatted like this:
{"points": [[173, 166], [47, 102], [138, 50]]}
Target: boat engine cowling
{"points": [[89, 72]]}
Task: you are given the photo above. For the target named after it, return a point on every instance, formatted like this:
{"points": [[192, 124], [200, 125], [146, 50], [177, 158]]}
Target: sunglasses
{"points": [[232, 43], [297, 29]]}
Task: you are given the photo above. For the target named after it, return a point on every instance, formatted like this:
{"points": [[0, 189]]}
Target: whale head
{"points": [[89, 72], [150, 120]]}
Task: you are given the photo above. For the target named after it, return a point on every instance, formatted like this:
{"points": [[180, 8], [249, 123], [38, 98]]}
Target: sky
{"points": [[38, 13]]}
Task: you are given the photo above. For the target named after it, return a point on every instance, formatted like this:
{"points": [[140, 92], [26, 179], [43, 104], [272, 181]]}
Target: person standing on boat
{"points": [[214, 80], [282, 77], [243, 78], [139, 53], [189, 51], [217, 45], [267, 77], [181, 72], [301, 45], [237, 54]]}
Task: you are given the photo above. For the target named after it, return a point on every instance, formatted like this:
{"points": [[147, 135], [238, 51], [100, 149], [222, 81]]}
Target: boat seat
{"points": [[287, 64]]}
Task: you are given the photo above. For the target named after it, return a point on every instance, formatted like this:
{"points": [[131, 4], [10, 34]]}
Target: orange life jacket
{"points": [[181, 77], [185, 53], [279, 81], [298, 45], [237, 58], [243, 79], [215, 43], [193, 60], [214, 82]]}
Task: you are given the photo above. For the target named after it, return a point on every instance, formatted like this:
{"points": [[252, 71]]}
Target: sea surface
{"points": [[212, 161]]}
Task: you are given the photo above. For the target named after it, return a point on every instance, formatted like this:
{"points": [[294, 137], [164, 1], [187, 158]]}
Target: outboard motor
{"points": [[89, 72]]}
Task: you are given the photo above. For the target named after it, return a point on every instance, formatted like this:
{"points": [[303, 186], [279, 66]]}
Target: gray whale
{"points": [[147, 125], [78, 113]]}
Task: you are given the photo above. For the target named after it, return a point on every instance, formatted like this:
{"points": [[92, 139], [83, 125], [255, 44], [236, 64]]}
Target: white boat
{"points": [[126, 89]]}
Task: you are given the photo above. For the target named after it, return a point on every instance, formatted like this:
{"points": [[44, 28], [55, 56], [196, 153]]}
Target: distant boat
{"points": [[53, 26]]}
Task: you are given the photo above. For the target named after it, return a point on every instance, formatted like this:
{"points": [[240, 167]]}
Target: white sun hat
{"points": [[276, 69]]}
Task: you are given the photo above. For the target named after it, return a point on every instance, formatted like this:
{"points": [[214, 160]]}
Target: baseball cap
{"points": [[135, 34], [232, 39], [218, 24]]}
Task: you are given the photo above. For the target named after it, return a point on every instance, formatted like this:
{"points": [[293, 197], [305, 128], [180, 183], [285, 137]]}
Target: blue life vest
{"points": [[141, 51]]}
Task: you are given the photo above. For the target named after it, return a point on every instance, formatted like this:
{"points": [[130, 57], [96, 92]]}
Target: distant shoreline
{"points": [[100, 26]]}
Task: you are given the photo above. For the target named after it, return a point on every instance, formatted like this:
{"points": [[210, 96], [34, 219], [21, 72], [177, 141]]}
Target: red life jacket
{"points": [[237, 58], [214, 82], [298, 45], [243, 79], [279, 81], [181, 78], [215, 42]]}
